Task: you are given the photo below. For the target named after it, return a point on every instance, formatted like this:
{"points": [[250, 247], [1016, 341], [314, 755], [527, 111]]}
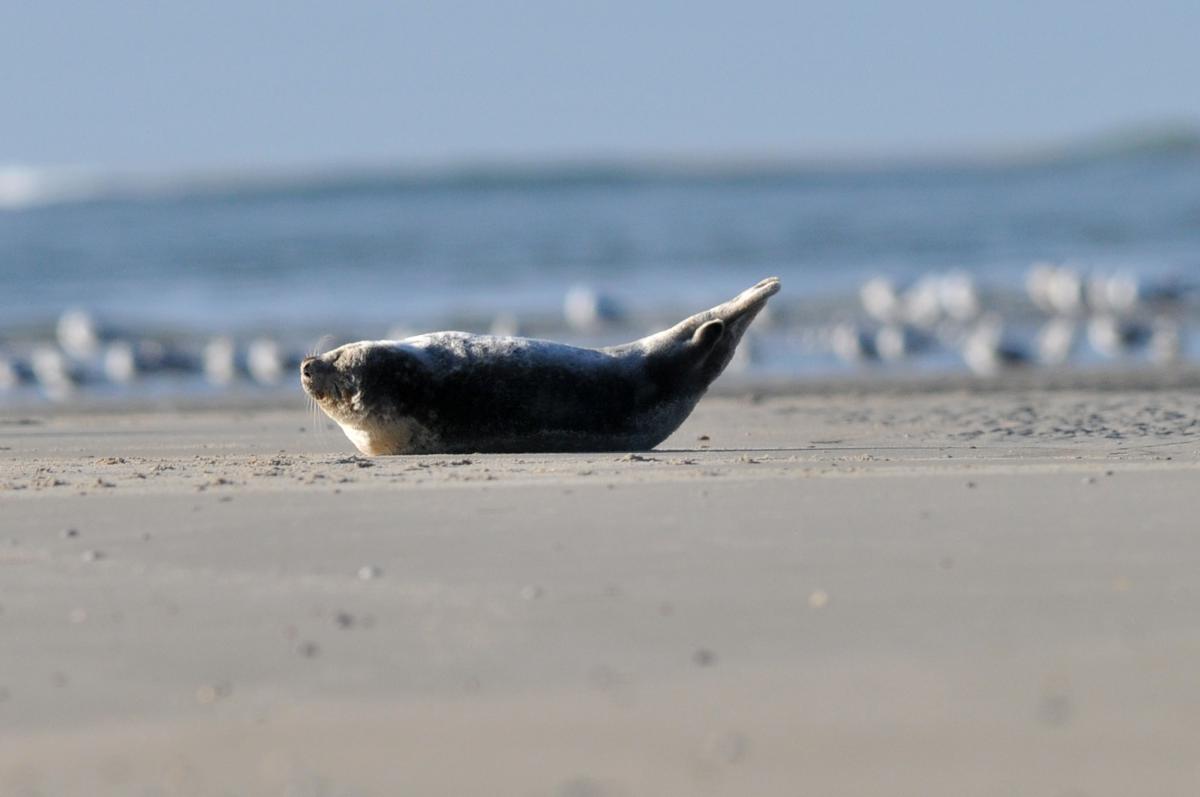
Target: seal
{"points": [[452, 392]]}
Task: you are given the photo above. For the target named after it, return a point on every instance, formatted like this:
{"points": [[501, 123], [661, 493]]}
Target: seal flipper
{"points": [[716, 331], [737, 313], [708, 334]]}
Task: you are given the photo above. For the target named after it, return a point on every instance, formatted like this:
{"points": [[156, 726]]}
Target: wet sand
{"points": [[927, 593]]}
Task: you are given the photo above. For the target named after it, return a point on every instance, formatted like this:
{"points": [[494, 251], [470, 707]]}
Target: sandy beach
{"points": [[836, 592]]}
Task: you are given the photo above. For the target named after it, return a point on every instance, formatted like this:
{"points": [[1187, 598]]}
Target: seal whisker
{"points": [[318, 423], [321, 343], [314, 406]]}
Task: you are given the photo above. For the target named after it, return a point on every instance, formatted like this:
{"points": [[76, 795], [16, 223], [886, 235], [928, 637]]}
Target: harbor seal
{"points": [[452, 392]]}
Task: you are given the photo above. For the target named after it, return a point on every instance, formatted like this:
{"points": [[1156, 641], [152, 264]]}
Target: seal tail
{"points": [[720, 328]]}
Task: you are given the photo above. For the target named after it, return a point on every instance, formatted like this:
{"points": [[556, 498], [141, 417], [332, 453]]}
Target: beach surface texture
{"points": [[834, 592]]}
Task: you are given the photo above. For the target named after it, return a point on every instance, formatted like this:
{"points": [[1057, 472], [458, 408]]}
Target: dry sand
{"points": [[939, 593]]}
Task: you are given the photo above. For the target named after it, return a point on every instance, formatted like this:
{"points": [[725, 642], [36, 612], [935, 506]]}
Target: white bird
{"points": [[1124, 292], [897, 341], [1114, 337], [14, 372], [267, 362], [1166, 341], [881, 300], [959, 296], [398, 332], [987, 352], [1066, 294], [1056, 340], [120, 363], [1037, 285], [220, 361], [504, 325], [586, 309], [1055, 290], [78, 334], [54, 372], [922, 302], [853, 344]]}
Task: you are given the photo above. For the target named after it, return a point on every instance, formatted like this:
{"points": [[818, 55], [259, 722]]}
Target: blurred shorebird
{"points": [[881, 299], [1056, 340], [504, 325], [987, 352], [14, 372], [55, 373], [585, 309], [79, 334], [1116, 337], [268, 362], [853, 344], [895, 342], [221, 363], [1056, 290], [959, 296], [923, 304], [126, 361], [1125, 293], [1166, 341]]}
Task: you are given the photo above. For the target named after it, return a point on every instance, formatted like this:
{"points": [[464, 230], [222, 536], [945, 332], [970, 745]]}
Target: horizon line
{"points": [[23, 186]]}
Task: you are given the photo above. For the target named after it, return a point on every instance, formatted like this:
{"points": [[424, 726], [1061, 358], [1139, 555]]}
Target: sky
{"points": [[169, 85]]}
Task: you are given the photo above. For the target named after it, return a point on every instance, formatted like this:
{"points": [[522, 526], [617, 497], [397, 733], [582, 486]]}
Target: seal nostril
{"points": [[306, 368]]}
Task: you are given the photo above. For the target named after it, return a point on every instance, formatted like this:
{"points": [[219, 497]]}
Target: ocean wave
{"points": [[24, 187]]}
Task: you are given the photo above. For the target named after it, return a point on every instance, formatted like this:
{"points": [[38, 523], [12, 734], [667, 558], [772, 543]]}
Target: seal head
{"points": [[375, 392]]}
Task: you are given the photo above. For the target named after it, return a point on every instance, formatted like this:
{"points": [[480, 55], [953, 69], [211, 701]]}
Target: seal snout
{"points": [[313, 375]]}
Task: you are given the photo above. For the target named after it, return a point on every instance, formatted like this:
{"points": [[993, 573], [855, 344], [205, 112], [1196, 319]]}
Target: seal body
{"points": [[452, 392]]}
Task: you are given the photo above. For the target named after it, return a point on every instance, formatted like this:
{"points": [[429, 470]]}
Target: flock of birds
{"points": [[85, 354], [1118, 314]]}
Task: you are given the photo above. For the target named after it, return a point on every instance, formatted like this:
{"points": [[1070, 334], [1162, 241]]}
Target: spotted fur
{"points": [[453, 392]]}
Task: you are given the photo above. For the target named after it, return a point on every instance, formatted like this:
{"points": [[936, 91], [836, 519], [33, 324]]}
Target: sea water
{"points": [[362, 254]]}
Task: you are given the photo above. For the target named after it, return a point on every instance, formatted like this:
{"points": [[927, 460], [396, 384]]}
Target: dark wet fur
{"points": [[591, 401]]}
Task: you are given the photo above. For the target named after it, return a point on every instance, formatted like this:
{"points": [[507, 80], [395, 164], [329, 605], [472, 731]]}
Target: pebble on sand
{"points": [[207, 694], [531, 592], [369, 572], [1055, 709], [92, 555], [729, 747], [818, 598]]}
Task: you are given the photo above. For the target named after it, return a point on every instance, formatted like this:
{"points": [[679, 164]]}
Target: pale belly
{"points": [[402, 436]]}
